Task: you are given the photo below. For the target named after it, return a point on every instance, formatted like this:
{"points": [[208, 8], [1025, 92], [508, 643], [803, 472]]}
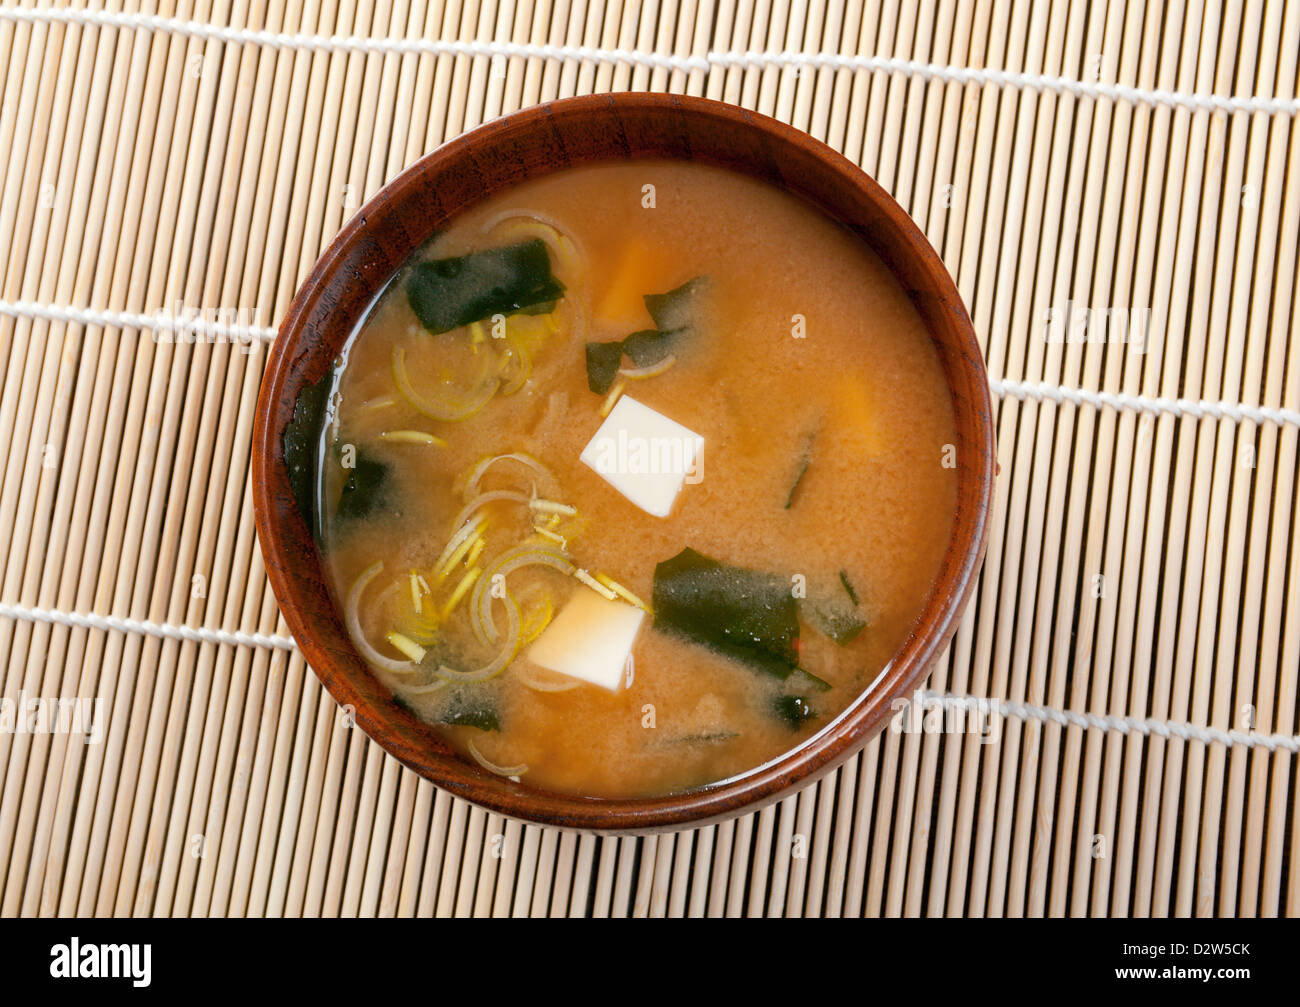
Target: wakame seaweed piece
{"points": [[301, 444], [848, 587], [805, 459], [794, 710], [603, 360], [485, 718], [703, 738], [835, 619], [798, 478], [649, 346], [448, 293], [674, 313], [749, 616], [803, 674], [364, 490], [467, 706], [676, 309]]}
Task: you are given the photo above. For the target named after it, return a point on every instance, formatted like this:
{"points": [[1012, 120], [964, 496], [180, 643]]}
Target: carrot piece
{"points": [[855, 412], [642, 268]]}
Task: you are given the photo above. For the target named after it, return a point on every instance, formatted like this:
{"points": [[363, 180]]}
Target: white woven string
{"points": [[1003, 707], [1022, 390], [717, 59], [167, 631], [1195, 408], [181, 327], [1124, 725]]}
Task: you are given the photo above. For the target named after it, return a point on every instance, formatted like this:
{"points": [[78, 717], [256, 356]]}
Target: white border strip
{"points": [[717, 59]]}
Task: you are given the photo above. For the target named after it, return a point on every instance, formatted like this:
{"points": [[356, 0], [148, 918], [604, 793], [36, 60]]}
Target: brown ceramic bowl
{"points": [[535, 142]]}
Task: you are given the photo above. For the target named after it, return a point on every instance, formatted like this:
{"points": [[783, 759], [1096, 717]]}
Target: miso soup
{"points": [[634, 477]]}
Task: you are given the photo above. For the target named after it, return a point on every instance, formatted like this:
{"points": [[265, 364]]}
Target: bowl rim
{"points": [[336, 663]]}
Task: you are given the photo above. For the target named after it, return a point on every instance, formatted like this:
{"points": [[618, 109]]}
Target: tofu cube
{"points": [[591, 639], [644, 455]]}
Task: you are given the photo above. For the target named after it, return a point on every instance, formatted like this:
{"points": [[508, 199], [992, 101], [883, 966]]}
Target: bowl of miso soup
{"points": [[624, 462]]}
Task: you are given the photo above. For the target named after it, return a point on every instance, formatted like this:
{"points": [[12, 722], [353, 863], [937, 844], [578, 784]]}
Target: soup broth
{"points": [[805, 429]]}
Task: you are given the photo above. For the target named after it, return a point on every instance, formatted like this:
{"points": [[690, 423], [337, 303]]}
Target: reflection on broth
{"points": [[629, 498]]}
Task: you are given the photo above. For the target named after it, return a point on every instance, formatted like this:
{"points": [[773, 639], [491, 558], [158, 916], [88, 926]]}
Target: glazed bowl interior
{"points": [[538, 141]]}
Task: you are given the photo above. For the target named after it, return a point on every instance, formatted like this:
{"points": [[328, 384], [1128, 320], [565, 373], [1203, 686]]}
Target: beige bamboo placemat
{"points": [[1138, 619]]}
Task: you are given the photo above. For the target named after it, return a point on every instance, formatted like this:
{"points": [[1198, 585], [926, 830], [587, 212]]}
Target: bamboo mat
{"points": [[1138, 619]]}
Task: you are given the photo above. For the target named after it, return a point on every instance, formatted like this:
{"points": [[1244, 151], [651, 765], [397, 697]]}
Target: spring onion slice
{"points": [[498, 664], [523, 367], [456, 408], [352, 618], [459, 554], [424, 630], [477, 473], [412, 437], [537, 608], [612, 398], [595, 585], [486, 498], [459, 592], [464, 531], [379, 402], [424, 689], [622, 592], [653, 370], [506, 564], [539, 686], [555, 537], [543, 506], [492, 767], [407, 646]]}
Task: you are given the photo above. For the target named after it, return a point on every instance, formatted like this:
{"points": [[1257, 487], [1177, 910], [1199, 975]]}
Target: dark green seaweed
{"points": [[704, 738], [471, 707], [803, 674], [448, 293], [603, 360], [674, 314], [805, 459], [677, 309], [798, 478], [748, 616], [833, 616], [840, 622], [649, 346], [848, 587], [365, 490], [794, 710]]}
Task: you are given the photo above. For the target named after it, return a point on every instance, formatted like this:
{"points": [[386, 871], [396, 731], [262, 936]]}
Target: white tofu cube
{"points": [[644, 455], [590, 639]]}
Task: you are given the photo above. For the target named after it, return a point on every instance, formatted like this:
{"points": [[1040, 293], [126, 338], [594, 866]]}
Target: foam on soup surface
{"points": [[567, 362]]}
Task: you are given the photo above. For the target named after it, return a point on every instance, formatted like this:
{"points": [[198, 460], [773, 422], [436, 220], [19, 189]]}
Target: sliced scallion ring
{"points": [[492, 767], [352, 618]]}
